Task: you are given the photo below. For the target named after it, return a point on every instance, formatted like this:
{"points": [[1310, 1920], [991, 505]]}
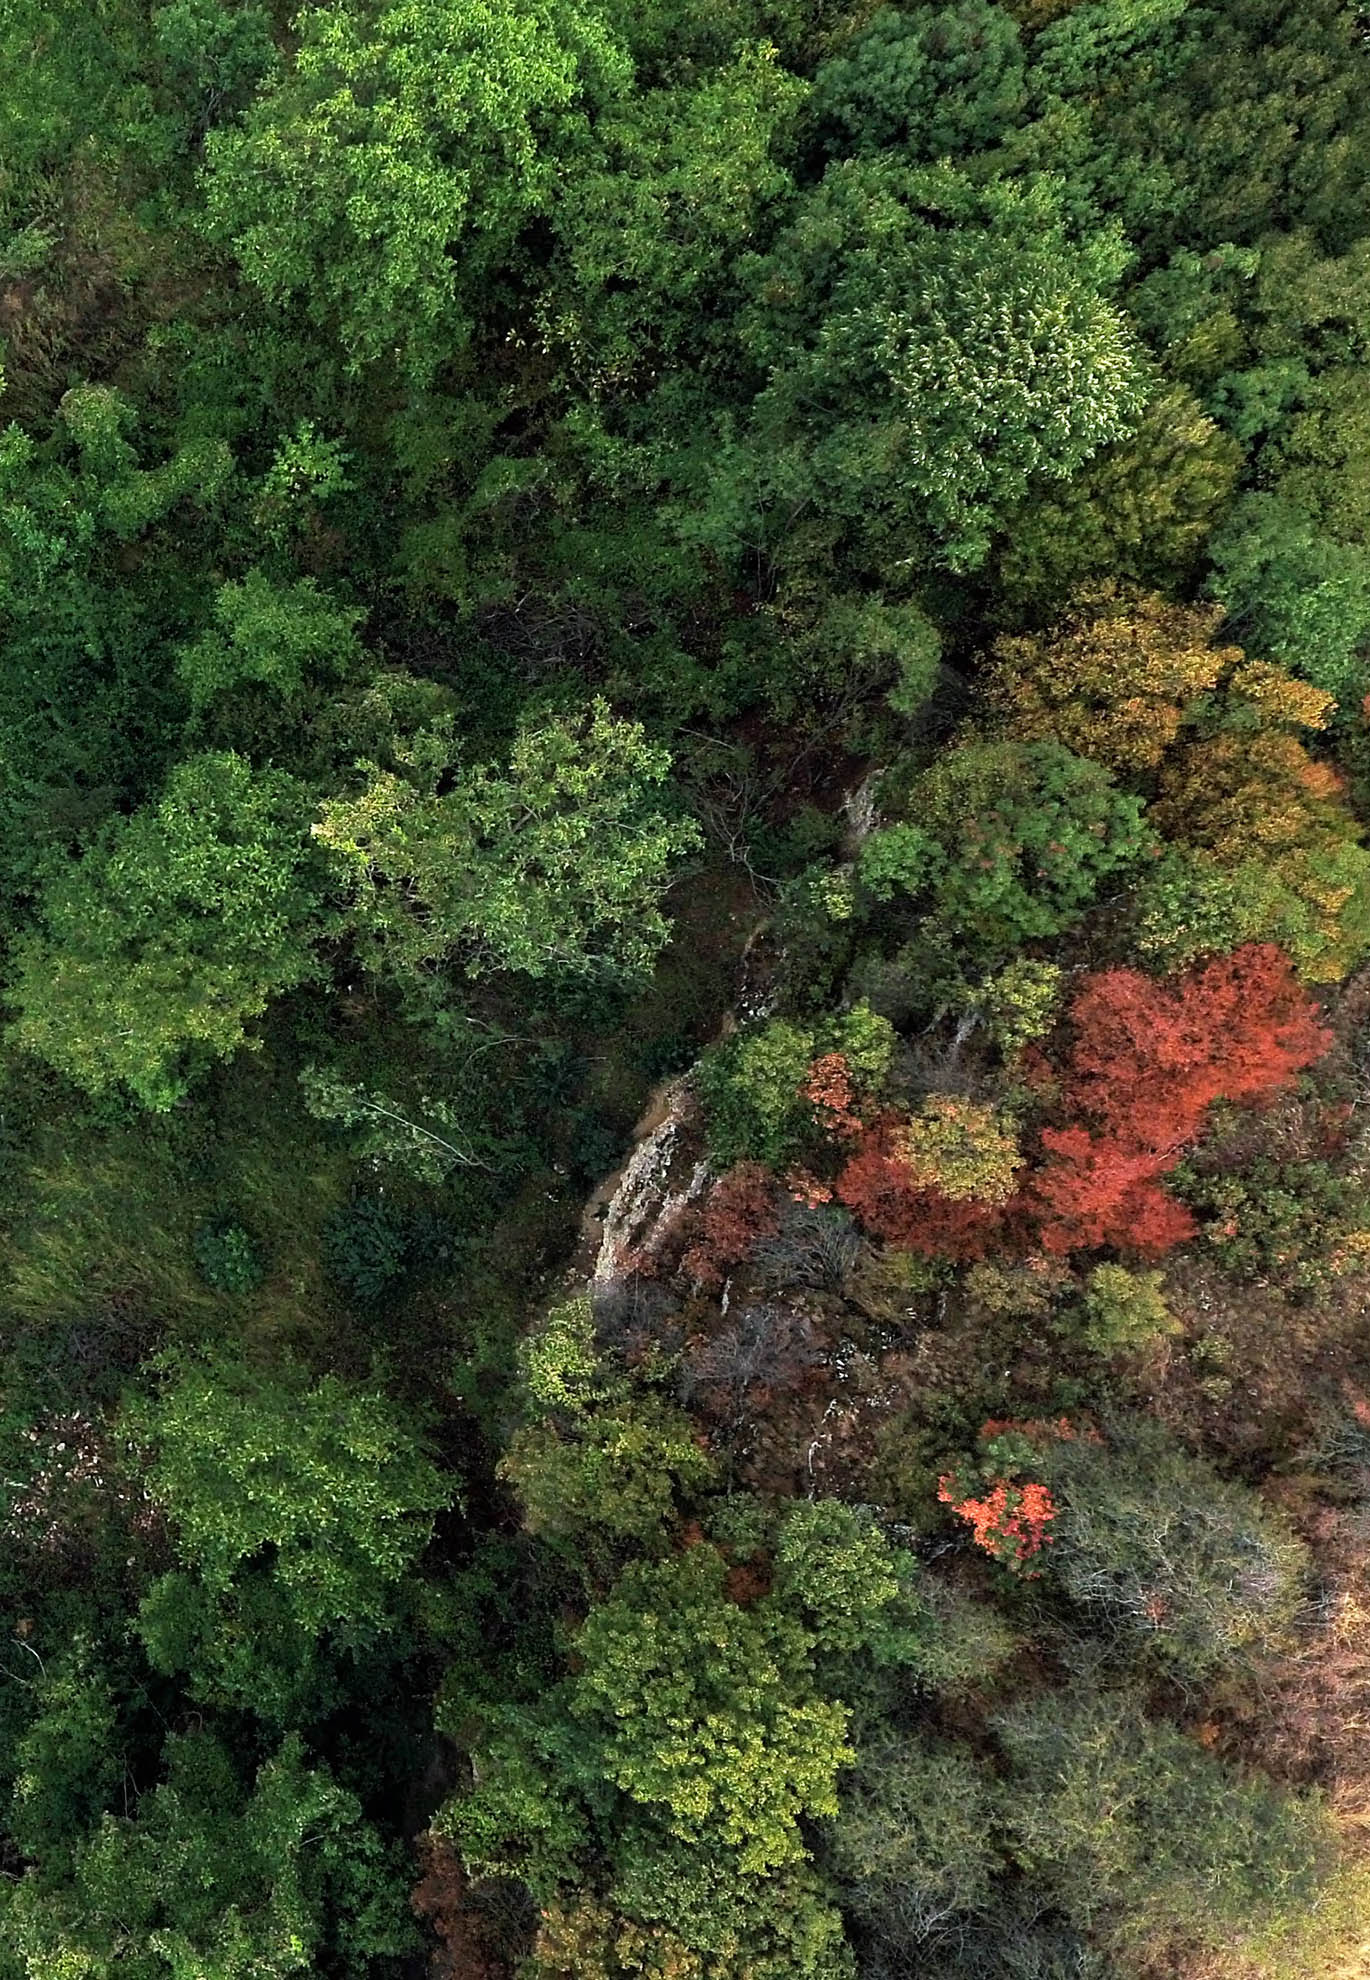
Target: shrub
{"points": [[228, 1257], [1124, 1311], [366, 1247], [1010, 1523]]}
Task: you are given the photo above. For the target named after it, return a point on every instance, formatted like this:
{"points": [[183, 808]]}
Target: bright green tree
{"points": [[383, 177], [836, 1570], [325, 1487], [1125, 1311], [555, 867], [752, 1084], [703, 1713], [649, 228], [174, 929]]}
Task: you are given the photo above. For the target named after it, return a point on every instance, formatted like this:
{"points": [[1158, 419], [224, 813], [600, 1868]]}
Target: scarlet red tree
{"points": [[1145, 1062], [879, 1187], [1149, 1058]]}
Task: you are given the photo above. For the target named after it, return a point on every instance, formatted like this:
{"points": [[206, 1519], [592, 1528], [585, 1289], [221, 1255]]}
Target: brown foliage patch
{"points": [[442, 1896]]}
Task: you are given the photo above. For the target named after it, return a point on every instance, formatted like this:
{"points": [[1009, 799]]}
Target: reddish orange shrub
{"points": [[1009, 1523]]}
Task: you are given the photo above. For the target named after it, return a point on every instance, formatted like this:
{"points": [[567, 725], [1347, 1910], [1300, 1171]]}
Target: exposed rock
{"points": [[666, 1170]]}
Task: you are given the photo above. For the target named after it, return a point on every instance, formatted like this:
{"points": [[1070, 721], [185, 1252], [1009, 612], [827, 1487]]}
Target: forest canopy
{"points": [[685, 990]]}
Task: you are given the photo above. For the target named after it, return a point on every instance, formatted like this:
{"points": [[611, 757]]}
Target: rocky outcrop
{"points": [[667, 1170]]}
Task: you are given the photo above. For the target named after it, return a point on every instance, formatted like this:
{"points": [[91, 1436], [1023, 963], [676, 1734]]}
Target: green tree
{"points": [[752, 1085], [69, 1761], [780, 1924], [207, 1882], [280, 635], [174, 928], [1142, 509], [555, 868], [931, 346], [1172, 1560], [1320, 461], [100, 561], [597, 1455], [933, 82], [1294, 593], [1022, 837], [687, 1914], [912, 1847], [211, 57], [383, 177], [304, 1505], [1134, 1829]]}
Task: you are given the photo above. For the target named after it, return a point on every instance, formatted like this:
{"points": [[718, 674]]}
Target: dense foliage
{"points": [[685, 980]]}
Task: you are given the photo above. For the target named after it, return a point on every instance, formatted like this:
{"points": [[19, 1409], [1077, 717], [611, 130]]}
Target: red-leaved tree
{"points": [[1093, 1190], [739, 1209], [1148, 1059], [1146, 1062], [879, 1189]]}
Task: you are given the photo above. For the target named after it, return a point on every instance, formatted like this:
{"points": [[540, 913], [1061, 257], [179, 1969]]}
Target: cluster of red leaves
{"points": [[1145, 1063], [1010, 1522], [828, 1089], [739, 1209], [878, 1187]]}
